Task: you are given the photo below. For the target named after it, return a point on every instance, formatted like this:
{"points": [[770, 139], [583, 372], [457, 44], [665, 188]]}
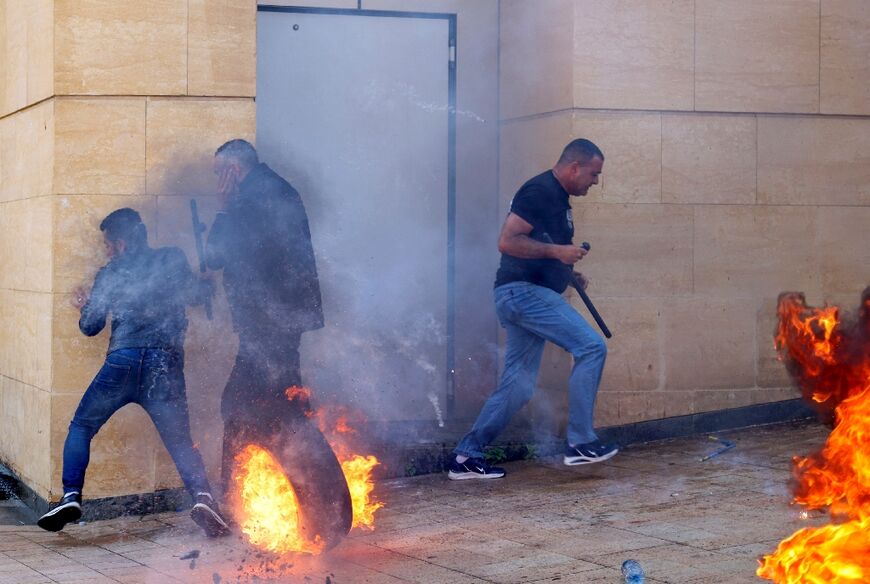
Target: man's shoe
{"points": [[69, 509], [589, 453], [473, 468], [205, 513]]}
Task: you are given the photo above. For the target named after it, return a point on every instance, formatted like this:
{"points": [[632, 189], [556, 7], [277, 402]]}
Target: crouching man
{"points": [[146, 290]]}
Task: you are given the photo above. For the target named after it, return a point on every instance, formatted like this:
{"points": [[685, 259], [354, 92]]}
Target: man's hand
{"points": [[581, 279], [227, 186], [568, 254], [80, 297]]}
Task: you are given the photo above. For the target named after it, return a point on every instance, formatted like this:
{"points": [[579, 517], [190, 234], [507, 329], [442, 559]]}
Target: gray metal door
{"points": [[353, 108]]}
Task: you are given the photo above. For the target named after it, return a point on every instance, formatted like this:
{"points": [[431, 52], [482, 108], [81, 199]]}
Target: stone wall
{"points": [[104, 105], [737, 144], [736, 136]]}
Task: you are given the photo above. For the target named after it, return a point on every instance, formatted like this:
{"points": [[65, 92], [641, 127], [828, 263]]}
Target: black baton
{"points": [[583, 296], [198, 229]]}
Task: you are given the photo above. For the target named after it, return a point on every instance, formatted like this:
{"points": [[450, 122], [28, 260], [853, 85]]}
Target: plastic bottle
{"points": [[632, 572]]}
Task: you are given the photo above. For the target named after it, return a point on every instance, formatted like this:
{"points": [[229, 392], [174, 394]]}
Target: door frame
{"points": [[450, 396]]}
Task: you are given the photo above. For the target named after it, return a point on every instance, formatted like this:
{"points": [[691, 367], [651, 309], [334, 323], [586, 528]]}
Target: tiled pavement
{"points": [[686, 521]]}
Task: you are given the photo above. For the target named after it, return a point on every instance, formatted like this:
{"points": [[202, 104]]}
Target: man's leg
{"points": [[549, 315], [163, 396], [523, 352], [107, 393]]}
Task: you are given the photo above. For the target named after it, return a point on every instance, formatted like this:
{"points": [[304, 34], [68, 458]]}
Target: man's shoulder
{"points": [[271, 182], [539, 189], [170, 254]]}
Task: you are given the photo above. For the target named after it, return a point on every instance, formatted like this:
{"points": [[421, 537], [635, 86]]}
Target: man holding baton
{"points": [[536, 267]]}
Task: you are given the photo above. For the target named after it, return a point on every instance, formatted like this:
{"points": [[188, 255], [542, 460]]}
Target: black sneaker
{"points": [[69, 509], [473, 468], [589, 453], [205, 513]]}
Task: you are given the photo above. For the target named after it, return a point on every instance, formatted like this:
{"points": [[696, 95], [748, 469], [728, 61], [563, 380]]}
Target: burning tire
{"points": [[325, 512]]}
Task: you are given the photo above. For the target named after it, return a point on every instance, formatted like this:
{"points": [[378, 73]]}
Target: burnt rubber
{"points": [[311, 467]]}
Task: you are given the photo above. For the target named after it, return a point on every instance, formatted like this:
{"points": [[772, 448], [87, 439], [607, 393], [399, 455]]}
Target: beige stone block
{"points": [[771, 371], [123, 453], [843, 248], [14, 55], [708, 343], [633, 353], [722, 399], [755, 251], [78, 244], [536, 44], [121, 47], [26, 244], [27, 152], [677, 403], [632, 147], [183, 136], [813, 160], [25, 444], [636, 406], [845, 67], [636, 249], [634, 54], [607, 409], [708, 158], [314, 3], [75, 357], [40, 50], [26, 53], [757, 56], [100, 146], [25, 337], [530, 147], [222, 48]]}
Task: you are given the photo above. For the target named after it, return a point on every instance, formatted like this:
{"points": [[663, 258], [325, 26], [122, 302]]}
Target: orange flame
{"points": [[263, 487], [270, 509], [358, 470], [831, 361]]}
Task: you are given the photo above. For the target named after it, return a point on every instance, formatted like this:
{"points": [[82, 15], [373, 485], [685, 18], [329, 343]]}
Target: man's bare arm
{"points": [[514, 240]]}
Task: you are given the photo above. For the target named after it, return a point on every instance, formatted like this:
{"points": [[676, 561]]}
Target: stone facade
{"points": [[737, 167], [736, 136], [92, 121]]}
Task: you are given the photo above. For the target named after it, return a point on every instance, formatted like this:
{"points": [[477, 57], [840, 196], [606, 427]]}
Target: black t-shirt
{"points": [[543, 203]]}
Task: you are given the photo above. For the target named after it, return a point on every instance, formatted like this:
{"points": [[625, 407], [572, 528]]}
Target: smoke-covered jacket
{"points": [[146, 292], [263, 244]]}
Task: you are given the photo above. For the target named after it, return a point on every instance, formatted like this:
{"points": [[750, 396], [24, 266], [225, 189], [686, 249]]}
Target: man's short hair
{"points": [[580, 150], [125, 224], [241, 150]]}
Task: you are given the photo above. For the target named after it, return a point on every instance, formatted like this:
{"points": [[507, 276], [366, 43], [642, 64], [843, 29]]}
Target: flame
{"points": [[831, 362], [270, 509], [357, 471]]}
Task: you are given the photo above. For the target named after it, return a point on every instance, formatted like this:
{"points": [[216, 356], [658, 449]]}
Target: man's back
{"points": [[146, 292], [263, 244]]}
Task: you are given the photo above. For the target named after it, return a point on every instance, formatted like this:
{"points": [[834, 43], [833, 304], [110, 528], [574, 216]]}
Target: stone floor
{"points": [[685, 520]]}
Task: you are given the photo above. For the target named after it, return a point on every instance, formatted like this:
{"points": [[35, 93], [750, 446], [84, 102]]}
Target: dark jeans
{"points": [[152, 378], [267, 364]]}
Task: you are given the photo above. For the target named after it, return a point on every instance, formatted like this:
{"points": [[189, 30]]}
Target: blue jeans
{"points": [[152, 378], [532, 315]]}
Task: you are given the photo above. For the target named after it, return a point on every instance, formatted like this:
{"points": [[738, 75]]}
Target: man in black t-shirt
{"points": [[536, 266]]}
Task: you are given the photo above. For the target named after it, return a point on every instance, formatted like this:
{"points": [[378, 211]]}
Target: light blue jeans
{"points": [[532, 315]]}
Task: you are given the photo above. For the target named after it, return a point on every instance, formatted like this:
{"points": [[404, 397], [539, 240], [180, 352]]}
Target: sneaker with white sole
{"points": [[69, 509], [206, 514], [589, 453], [473, 468]]}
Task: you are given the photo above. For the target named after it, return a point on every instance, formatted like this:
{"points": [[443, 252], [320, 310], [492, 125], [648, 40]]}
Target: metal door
{"points": [[354, 108]]}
